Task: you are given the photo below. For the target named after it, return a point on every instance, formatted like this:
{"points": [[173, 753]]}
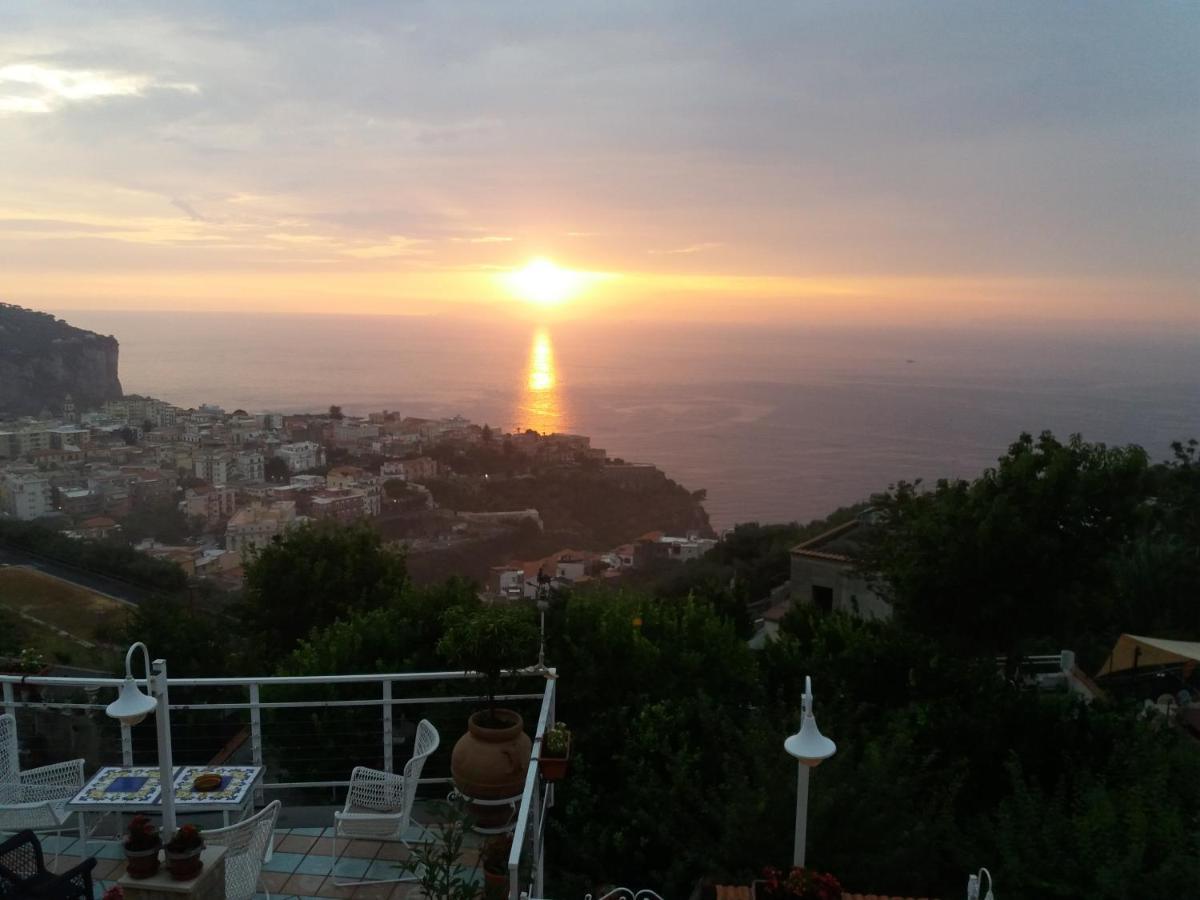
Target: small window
{"points": [[822, 598]]}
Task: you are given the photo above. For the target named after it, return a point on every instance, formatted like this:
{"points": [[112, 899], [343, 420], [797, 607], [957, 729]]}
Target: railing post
{"points": [[256, 744], [388, 762], [9, 704], [126, 745], [538, 887]]}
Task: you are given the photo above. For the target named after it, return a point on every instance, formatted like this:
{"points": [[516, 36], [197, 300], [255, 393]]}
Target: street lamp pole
{"points": [[810, 748], [132, 706]]}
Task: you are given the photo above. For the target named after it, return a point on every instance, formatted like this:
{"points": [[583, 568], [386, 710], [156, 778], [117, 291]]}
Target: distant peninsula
{"points": [[43, 360]]}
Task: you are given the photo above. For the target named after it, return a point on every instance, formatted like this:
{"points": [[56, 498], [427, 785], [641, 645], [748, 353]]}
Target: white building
{"points": [[301, 456], [254, 526], [25, 495], [215, 468], [826, 572], [250, 466]]}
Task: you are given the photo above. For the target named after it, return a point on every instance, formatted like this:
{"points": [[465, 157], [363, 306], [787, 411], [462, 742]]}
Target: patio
{"points": [[300, 864], [306, 733]]}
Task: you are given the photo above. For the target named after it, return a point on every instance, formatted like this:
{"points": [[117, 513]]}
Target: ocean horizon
{"points": [[776, 423]]}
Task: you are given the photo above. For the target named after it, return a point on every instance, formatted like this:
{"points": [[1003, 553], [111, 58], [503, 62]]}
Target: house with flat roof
{"points": [[826, 573]]}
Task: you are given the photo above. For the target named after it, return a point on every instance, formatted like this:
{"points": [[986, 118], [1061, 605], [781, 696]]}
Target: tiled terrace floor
{"points": [[299, 867]]}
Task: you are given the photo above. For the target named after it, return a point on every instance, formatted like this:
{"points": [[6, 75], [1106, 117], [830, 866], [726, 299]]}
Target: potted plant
{"points": [[437, 864], [796, 884], [183, 853], [494, 859], [489, 761], [556, 753], [142, 843]]}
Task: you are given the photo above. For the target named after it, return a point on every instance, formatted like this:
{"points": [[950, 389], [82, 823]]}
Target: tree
{"points": [[163, 521], [275, 470], [314, 575], [335, 412], [491, 640], [195, 643], [486, 435], [1020, 553]]}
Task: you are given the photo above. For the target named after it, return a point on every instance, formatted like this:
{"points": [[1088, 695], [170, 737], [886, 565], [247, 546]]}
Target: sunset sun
{"points": [[541, 281]]}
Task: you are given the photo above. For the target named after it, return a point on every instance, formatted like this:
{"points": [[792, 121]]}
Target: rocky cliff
{"points": [[43, 359]]}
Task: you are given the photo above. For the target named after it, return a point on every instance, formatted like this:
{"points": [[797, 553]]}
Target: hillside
{"points": [[42, 359]]}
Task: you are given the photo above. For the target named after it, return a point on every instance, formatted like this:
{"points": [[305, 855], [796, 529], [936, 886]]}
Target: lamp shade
{"points": [[808, 744], [131, 705]]}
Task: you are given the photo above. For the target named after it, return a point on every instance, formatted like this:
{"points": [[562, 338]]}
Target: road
{"points": [[101, 584]]}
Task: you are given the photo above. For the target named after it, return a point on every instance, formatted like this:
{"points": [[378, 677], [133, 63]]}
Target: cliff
{"points": [[42, 359]]}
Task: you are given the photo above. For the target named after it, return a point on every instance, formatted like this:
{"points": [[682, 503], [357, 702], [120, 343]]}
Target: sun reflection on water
{"points": [[541, 406]]}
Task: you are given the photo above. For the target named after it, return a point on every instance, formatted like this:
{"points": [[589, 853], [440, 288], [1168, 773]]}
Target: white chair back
{"points": [[10, 777], [247, 845], [425, 743]]}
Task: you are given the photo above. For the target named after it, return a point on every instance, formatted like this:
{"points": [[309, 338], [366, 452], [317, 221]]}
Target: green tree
{"points": [[314, 575], [275, 470], [164, 521], [1019, 553], [195, 642]]}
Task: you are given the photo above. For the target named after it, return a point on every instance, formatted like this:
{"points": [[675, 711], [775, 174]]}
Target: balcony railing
{"points": [[269, 721]]}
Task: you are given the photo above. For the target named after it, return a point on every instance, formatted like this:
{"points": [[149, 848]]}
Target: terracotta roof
{"points": [[98, 522], [877, 897], [733, 892]]}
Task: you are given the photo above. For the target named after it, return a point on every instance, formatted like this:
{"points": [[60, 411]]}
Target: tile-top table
{"points": [[136, 789]]}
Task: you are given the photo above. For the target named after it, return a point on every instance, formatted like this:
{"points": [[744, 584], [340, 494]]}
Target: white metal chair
{"points": [[35, 799], [248, 844], [379, 804]]}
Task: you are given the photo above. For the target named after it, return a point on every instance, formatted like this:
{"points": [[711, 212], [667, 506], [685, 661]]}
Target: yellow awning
{"points": [[1132, 649]]}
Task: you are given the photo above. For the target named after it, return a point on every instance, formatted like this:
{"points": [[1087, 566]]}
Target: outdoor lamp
{"points": [[811, 748], [132, 706]]}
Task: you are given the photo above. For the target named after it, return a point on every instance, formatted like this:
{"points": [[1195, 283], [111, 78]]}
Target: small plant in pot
{"points": [[796, 884], [489, 761], [556, 753], [494, 859], [183, 853], [142, 843]]}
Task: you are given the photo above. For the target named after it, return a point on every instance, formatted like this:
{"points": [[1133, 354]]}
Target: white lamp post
{"points": [[811, 748], [131, 706]]}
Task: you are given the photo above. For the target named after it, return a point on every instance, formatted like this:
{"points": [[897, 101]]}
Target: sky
{"points": [[765, 161]]}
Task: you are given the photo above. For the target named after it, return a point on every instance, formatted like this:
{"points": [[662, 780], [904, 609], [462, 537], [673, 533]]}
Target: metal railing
{"points": [[263, 725]]}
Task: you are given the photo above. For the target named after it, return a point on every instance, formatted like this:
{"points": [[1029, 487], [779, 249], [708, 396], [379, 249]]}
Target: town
{"points": [[202, 487]]}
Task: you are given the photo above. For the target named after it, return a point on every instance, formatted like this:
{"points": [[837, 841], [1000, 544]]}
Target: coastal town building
{"points": [[825, 572], [255, 525], [422, 468], [212, 503], [302, 455], [25, 495]]}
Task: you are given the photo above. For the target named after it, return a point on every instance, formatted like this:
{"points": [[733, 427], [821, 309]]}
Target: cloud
{"points": [[187, 210], [35, 88], [396, 246], [691, 248]]}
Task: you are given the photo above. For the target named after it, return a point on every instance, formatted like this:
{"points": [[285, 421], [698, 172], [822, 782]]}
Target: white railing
{"points": [[529, 826]]}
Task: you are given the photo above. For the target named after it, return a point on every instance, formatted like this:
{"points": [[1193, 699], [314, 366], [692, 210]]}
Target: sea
{"points": [[776, 423]]}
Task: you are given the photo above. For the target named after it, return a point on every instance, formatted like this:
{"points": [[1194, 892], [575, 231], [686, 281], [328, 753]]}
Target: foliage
{"points": [[490, 640], [314, 575], [195, 642], [100, 557], [556, 741], [186, 838], [141, 834], [1020, 553], [163, 521], [12, 631], [437, 863], [800, 884], [276, 471]]}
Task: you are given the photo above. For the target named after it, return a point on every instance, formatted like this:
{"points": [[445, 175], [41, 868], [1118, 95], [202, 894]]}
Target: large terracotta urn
{"points": [[490, 762]]}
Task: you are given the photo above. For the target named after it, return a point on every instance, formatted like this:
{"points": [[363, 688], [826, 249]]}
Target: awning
{"points": [[1133, 650]]}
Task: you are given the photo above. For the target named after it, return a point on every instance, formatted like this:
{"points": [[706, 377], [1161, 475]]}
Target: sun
{"points": [[541, 281]]}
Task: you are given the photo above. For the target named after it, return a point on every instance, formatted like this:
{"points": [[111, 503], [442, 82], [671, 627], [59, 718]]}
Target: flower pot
{"points": [[142, 863], [495, 884], [184, 864], [554, 768], [489, 763]]}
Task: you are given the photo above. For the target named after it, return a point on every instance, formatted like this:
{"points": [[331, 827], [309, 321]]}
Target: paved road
{"points": [[103, 584]]}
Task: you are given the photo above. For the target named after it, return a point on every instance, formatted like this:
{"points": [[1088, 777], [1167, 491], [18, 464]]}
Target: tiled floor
{"points": [[299, 868]]}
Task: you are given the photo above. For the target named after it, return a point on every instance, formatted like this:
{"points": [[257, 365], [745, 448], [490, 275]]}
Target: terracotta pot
{"points": [[490, 764], [142, 863], [495, 884], [184, 864], [554, 768]]}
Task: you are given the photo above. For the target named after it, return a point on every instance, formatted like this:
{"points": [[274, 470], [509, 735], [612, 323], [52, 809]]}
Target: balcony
{"points": [[307, 733]]}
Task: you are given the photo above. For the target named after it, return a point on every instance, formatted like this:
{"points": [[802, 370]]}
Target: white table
{"points": [[136, 789]]}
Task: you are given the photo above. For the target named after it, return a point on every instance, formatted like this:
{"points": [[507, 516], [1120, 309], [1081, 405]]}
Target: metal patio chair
{"points": [[23, 872], [35, 799], [379, 804], [248, 844]]}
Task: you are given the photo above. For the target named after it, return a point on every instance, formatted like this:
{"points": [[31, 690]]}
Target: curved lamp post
{"points": [[131, 706], [811, 748]]}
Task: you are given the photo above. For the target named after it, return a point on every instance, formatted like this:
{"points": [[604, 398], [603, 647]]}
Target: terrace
{"points": [[307, 733]]}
